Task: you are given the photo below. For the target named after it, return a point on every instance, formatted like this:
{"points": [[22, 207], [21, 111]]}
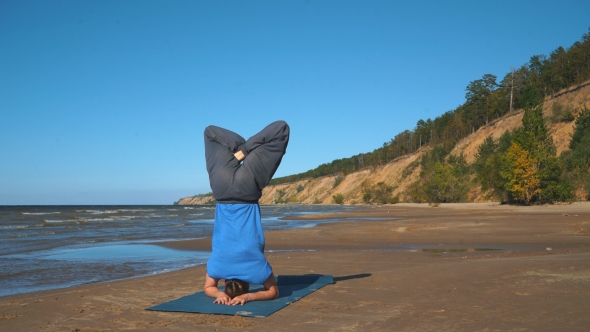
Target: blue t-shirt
{"points": [[238, 244]]}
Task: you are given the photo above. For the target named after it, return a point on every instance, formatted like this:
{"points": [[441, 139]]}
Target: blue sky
{"points": [[105, 102]]}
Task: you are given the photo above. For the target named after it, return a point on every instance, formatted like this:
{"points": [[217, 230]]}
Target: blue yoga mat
{"points": [[291, 289]]}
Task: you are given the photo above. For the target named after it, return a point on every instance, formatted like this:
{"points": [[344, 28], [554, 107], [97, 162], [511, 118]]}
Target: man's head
{"points": [[236, 287]]}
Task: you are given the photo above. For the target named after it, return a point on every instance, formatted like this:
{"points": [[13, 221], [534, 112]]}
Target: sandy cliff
{"points": [[321, 190]]}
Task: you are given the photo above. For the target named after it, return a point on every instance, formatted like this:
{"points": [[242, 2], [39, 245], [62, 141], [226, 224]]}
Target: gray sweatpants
{"points": [[235, 182]]}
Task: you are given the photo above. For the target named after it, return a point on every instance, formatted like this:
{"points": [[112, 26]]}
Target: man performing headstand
{"points": [[238, 171]]}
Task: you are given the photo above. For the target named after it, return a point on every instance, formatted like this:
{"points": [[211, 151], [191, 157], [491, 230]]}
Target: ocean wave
{"points": [[136, 210], [97, 211], [39, 213], [13, 227], [112, 218], [50, 222]]}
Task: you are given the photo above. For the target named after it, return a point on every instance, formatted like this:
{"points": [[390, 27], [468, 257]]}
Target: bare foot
{"points": [[239, 155]]}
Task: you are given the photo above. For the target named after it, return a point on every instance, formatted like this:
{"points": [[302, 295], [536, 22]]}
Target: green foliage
{"points": [[488, 164], [577, 160], [485, 100], [531, 98], [338, 180], [581, 129], [561, 114], [437, 154], [281, 193], [441, 181], [292, 199], [556, 184], [203, 195], [505, 141], [393, 200], [580, 158], [367, 197], [534, 136], [379, 193], [382, 193], [300, 188], [210, 201], [479, 106], [522, 166], [535, 139], [482, 165], [316, 201], [338, 199], [410, 168]]}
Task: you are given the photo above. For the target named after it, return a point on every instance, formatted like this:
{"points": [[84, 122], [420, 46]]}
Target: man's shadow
{"points": [[352, 276], [293, 284]]}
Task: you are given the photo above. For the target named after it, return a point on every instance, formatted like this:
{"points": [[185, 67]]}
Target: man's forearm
{"points": [[264, 295], [212, 292]]}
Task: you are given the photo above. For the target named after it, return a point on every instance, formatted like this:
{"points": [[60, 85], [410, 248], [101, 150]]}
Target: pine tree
{"points": [[534, 138]]}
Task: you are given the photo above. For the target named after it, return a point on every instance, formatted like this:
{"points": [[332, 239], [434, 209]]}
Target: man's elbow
{"points": [[209, 291]]}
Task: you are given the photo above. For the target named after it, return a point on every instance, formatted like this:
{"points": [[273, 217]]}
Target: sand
{"points": [[392, 273]]}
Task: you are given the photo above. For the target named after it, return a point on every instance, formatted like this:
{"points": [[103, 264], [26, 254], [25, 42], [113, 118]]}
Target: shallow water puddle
{"points": [[125, 252]]}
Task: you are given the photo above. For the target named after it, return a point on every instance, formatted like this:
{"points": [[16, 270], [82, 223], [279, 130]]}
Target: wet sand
{"points": [[415, 268]]}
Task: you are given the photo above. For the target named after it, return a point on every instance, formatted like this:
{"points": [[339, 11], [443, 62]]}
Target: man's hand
{"points": [[239, 155], [239, 299], [222, 298]]}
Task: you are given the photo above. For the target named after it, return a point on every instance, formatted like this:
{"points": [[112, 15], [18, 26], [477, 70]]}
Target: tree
{"points": [[534, 138], [522, 179], [489, 164], [485, 101], [581, 129], [577, 160], [338, 199], [482, 166], [478, 105]]}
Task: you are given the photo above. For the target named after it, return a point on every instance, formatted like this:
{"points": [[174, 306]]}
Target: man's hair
{"points": [[236, 287]]}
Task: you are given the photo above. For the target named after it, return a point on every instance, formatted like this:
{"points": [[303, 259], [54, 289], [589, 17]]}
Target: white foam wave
{"points": [[39, 213], [113, 218], [13, 227], [97, 211]]}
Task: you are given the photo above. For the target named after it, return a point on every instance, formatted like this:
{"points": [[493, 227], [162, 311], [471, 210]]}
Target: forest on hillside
{"points": [[521, 167], [487, 99]]}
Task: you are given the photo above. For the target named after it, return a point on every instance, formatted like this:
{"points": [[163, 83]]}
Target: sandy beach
{"points": [[455, 267]]}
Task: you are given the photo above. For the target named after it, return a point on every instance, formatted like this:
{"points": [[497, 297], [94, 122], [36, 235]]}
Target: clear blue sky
{"points": [[105, 102]]}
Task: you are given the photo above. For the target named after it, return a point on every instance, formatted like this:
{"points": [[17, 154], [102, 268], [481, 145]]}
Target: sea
{"points": [[49, 247]]}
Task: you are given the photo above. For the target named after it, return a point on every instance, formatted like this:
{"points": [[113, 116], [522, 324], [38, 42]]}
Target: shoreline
{"points": [[540, 279]]}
